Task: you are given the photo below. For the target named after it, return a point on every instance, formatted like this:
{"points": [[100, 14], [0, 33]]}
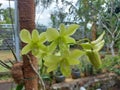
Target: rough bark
{"points": [[94, 30], [27, 21]]}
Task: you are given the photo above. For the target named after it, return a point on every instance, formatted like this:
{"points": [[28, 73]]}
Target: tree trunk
{"points": [[27, 21], [112, 48], [94, 30]]}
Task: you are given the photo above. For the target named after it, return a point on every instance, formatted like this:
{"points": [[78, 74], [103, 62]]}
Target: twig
{"points": [[85, 39], [11, 62], [3, 65], [117, 36], [106, 28], [40, 79], [117, 24], [7, 66], [12, 51]]}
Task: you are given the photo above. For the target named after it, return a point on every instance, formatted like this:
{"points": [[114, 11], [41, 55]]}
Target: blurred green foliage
{"points": [[111, 64]]}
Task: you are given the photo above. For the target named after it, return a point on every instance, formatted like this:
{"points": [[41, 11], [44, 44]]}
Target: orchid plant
{"points": [[57, 52]]}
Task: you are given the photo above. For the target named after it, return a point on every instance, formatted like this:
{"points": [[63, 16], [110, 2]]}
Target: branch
{"points": [[106, 28], [4, 65], [11, 50], [117, 24], [117, 36], [11, 62], [70, 3], [116, 29], [85, 39]]}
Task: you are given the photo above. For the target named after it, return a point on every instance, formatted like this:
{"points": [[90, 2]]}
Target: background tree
{"points": [[8, 13], [1, 14], [110, 22], [47, 3], [85, 12], [58, 16], [44, 3]]}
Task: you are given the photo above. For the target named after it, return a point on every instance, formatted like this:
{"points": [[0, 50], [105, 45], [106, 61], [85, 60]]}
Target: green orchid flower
{"points": [[92, 50], [95, 45], [34, 42], [61, 37], [63, 60]]}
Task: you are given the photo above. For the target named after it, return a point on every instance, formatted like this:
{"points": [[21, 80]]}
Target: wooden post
{"points": [[27, 21]]}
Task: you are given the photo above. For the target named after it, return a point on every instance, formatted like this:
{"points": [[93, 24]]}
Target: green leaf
{"points": [[52, 34], [62, 29], [19, 87], [70, 40], [71, 29], [45, 77], [35, 35], [25, 36], [26, 49]]}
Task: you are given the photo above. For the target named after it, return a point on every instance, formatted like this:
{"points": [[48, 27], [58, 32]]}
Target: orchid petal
{"points": [[42, 37], [25, 36], [51, 34], [35, 35], [75, 54], [65, 68], [71, 29], [62, 29], [73, 61], [26, 49], [70, 40]]}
